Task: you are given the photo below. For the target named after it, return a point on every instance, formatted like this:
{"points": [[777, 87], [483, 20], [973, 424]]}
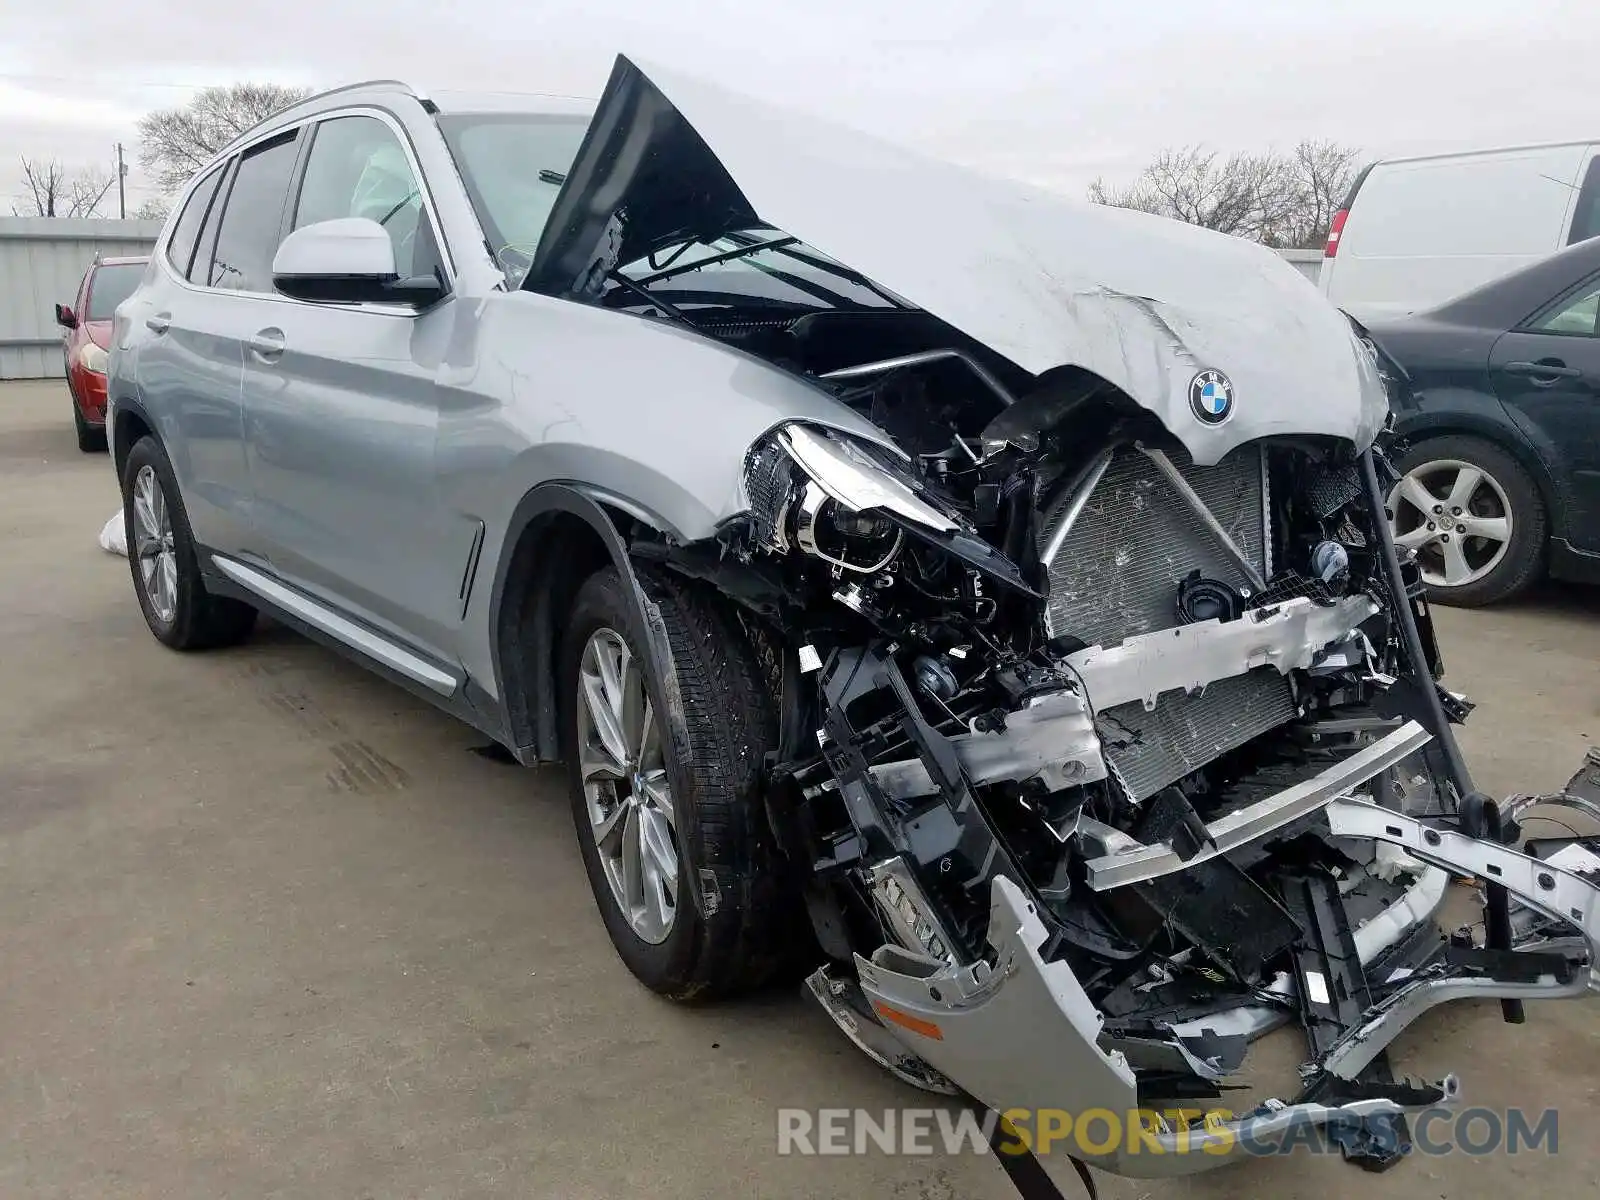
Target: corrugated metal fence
{"points": [[1307, 262], [42, 261]]}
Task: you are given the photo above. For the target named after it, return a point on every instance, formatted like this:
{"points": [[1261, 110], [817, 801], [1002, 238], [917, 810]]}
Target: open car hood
{"points": [[1221, 339]]}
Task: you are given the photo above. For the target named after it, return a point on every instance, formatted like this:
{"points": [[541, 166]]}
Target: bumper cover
{"points": [[1025, 1035]]}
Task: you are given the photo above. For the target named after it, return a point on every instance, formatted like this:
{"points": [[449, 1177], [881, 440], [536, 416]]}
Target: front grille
{"points": [[1116, 576], [1117, 573], [1149, 750]]}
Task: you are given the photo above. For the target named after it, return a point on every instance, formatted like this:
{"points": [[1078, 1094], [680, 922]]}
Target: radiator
{"points": [[1116, 575]]}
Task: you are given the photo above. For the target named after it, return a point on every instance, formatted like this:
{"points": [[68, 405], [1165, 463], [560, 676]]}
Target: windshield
{"points": [[513, 165], [110, 287]]}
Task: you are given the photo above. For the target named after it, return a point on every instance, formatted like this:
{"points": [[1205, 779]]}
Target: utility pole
{"points": [[122, 193]]}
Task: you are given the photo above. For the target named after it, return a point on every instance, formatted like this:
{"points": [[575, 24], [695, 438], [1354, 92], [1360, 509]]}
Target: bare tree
{"points": [[53, 190], [154, 209], [1277, 199], [1326, 171], [176, 142]]}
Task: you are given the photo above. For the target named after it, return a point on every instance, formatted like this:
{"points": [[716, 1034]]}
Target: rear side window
{"points": [[357, 168], [1586, 218], [200, 268], [1579, 315], [253, 219], [180, 248]]}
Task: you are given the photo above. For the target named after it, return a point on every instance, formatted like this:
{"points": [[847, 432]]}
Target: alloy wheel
{"points": [[625, 786], [1457, 519], [153, 544]]}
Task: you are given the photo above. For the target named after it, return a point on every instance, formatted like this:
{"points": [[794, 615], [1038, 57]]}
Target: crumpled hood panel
{"points": [[1045, 280]]}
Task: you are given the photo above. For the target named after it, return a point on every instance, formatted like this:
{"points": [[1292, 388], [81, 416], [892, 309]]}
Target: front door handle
{"points": [[159, 323], [1551, 368], [267, 344]]}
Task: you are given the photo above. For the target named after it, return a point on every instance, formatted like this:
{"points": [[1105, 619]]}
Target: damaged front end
{"points": [[1111, 731], [1085, 819]]}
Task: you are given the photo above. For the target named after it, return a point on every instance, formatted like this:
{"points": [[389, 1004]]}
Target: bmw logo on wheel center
{"points": [[1211, 397]]}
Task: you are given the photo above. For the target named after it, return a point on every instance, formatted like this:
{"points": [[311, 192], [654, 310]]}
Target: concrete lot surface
{"points": [[269, 927]]}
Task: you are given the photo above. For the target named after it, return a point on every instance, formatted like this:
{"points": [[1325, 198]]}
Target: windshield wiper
{"points": [[712, 260]]}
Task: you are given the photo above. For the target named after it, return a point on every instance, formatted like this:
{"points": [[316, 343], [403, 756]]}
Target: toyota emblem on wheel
{"points": [[1211, 397]]}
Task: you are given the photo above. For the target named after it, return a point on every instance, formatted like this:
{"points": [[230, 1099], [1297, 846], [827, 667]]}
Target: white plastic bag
{"points": [[114, 537]]}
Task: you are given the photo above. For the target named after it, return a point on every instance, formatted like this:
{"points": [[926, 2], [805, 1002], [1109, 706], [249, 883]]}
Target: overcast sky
{"points": [[1056, 91]]}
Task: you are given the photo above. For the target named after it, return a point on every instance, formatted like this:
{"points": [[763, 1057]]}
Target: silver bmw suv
{"points": [[980, 601]]}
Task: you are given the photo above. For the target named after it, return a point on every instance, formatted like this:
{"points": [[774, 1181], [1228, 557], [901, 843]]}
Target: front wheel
{"points": [[1473, 515], [665, 781]]}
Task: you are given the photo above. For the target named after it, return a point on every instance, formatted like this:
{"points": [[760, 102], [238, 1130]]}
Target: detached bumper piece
{"points": [[1334, 995], [996, 1012], [1024, 1035]]}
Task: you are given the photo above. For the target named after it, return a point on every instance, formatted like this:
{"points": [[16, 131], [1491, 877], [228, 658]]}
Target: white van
{"points": [[1415, 232]]}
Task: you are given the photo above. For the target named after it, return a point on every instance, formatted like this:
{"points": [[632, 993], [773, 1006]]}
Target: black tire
{"points": [[1524, 560], [734, 927], [91, 438], [199, 621]]}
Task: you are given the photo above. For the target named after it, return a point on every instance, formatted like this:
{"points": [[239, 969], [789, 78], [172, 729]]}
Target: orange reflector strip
{"points": [[906, 1021]]}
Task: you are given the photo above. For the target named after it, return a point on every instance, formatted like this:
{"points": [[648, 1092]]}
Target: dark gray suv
{"points": [[978, 600]]}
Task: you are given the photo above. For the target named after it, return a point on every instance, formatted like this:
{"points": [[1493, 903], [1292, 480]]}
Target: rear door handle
{"points": [[159, 323], [267, 344], [1553, 369]]}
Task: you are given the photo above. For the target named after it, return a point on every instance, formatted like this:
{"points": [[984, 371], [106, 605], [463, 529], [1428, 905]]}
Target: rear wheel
{"points": [[665, 786], [166, 570], [1473, 515]]}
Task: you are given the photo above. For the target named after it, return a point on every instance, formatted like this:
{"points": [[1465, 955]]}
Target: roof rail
{"points": [[353, 87], [317, 97]]}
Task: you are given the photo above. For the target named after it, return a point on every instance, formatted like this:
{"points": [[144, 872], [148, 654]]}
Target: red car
{"points": [[106, 284]]}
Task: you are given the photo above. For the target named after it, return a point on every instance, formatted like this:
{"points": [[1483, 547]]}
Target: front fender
{"points": [[544, 559]]}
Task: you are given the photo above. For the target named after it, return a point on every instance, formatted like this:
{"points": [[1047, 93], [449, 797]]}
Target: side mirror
{"points": [[65, 317], [349, 260]]}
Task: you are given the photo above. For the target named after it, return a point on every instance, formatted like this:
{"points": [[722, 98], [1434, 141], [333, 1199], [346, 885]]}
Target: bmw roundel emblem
{"points": [[1211, 397]]}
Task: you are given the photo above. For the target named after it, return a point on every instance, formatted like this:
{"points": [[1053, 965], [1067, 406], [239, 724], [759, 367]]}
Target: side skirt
{"points": [[447, 689]]}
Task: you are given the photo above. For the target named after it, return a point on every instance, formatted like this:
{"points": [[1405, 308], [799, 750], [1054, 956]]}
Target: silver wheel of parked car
{"points": [[1456, 516], [153, 544], [625, 786]]}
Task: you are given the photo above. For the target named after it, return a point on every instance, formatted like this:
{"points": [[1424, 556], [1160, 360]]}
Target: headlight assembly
{"points": [[92, 358], [856, 506], [834, 499], [860, 479], [856, 541]]}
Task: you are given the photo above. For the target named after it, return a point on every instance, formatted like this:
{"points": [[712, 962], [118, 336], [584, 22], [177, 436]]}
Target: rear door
{"points": [[233, 275], [342, 409], [1548, 374], [188, 363]]}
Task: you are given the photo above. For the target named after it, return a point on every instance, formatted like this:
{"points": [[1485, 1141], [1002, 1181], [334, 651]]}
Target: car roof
{"points": [[1483, 152], [378, 90], [455, 103]]}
